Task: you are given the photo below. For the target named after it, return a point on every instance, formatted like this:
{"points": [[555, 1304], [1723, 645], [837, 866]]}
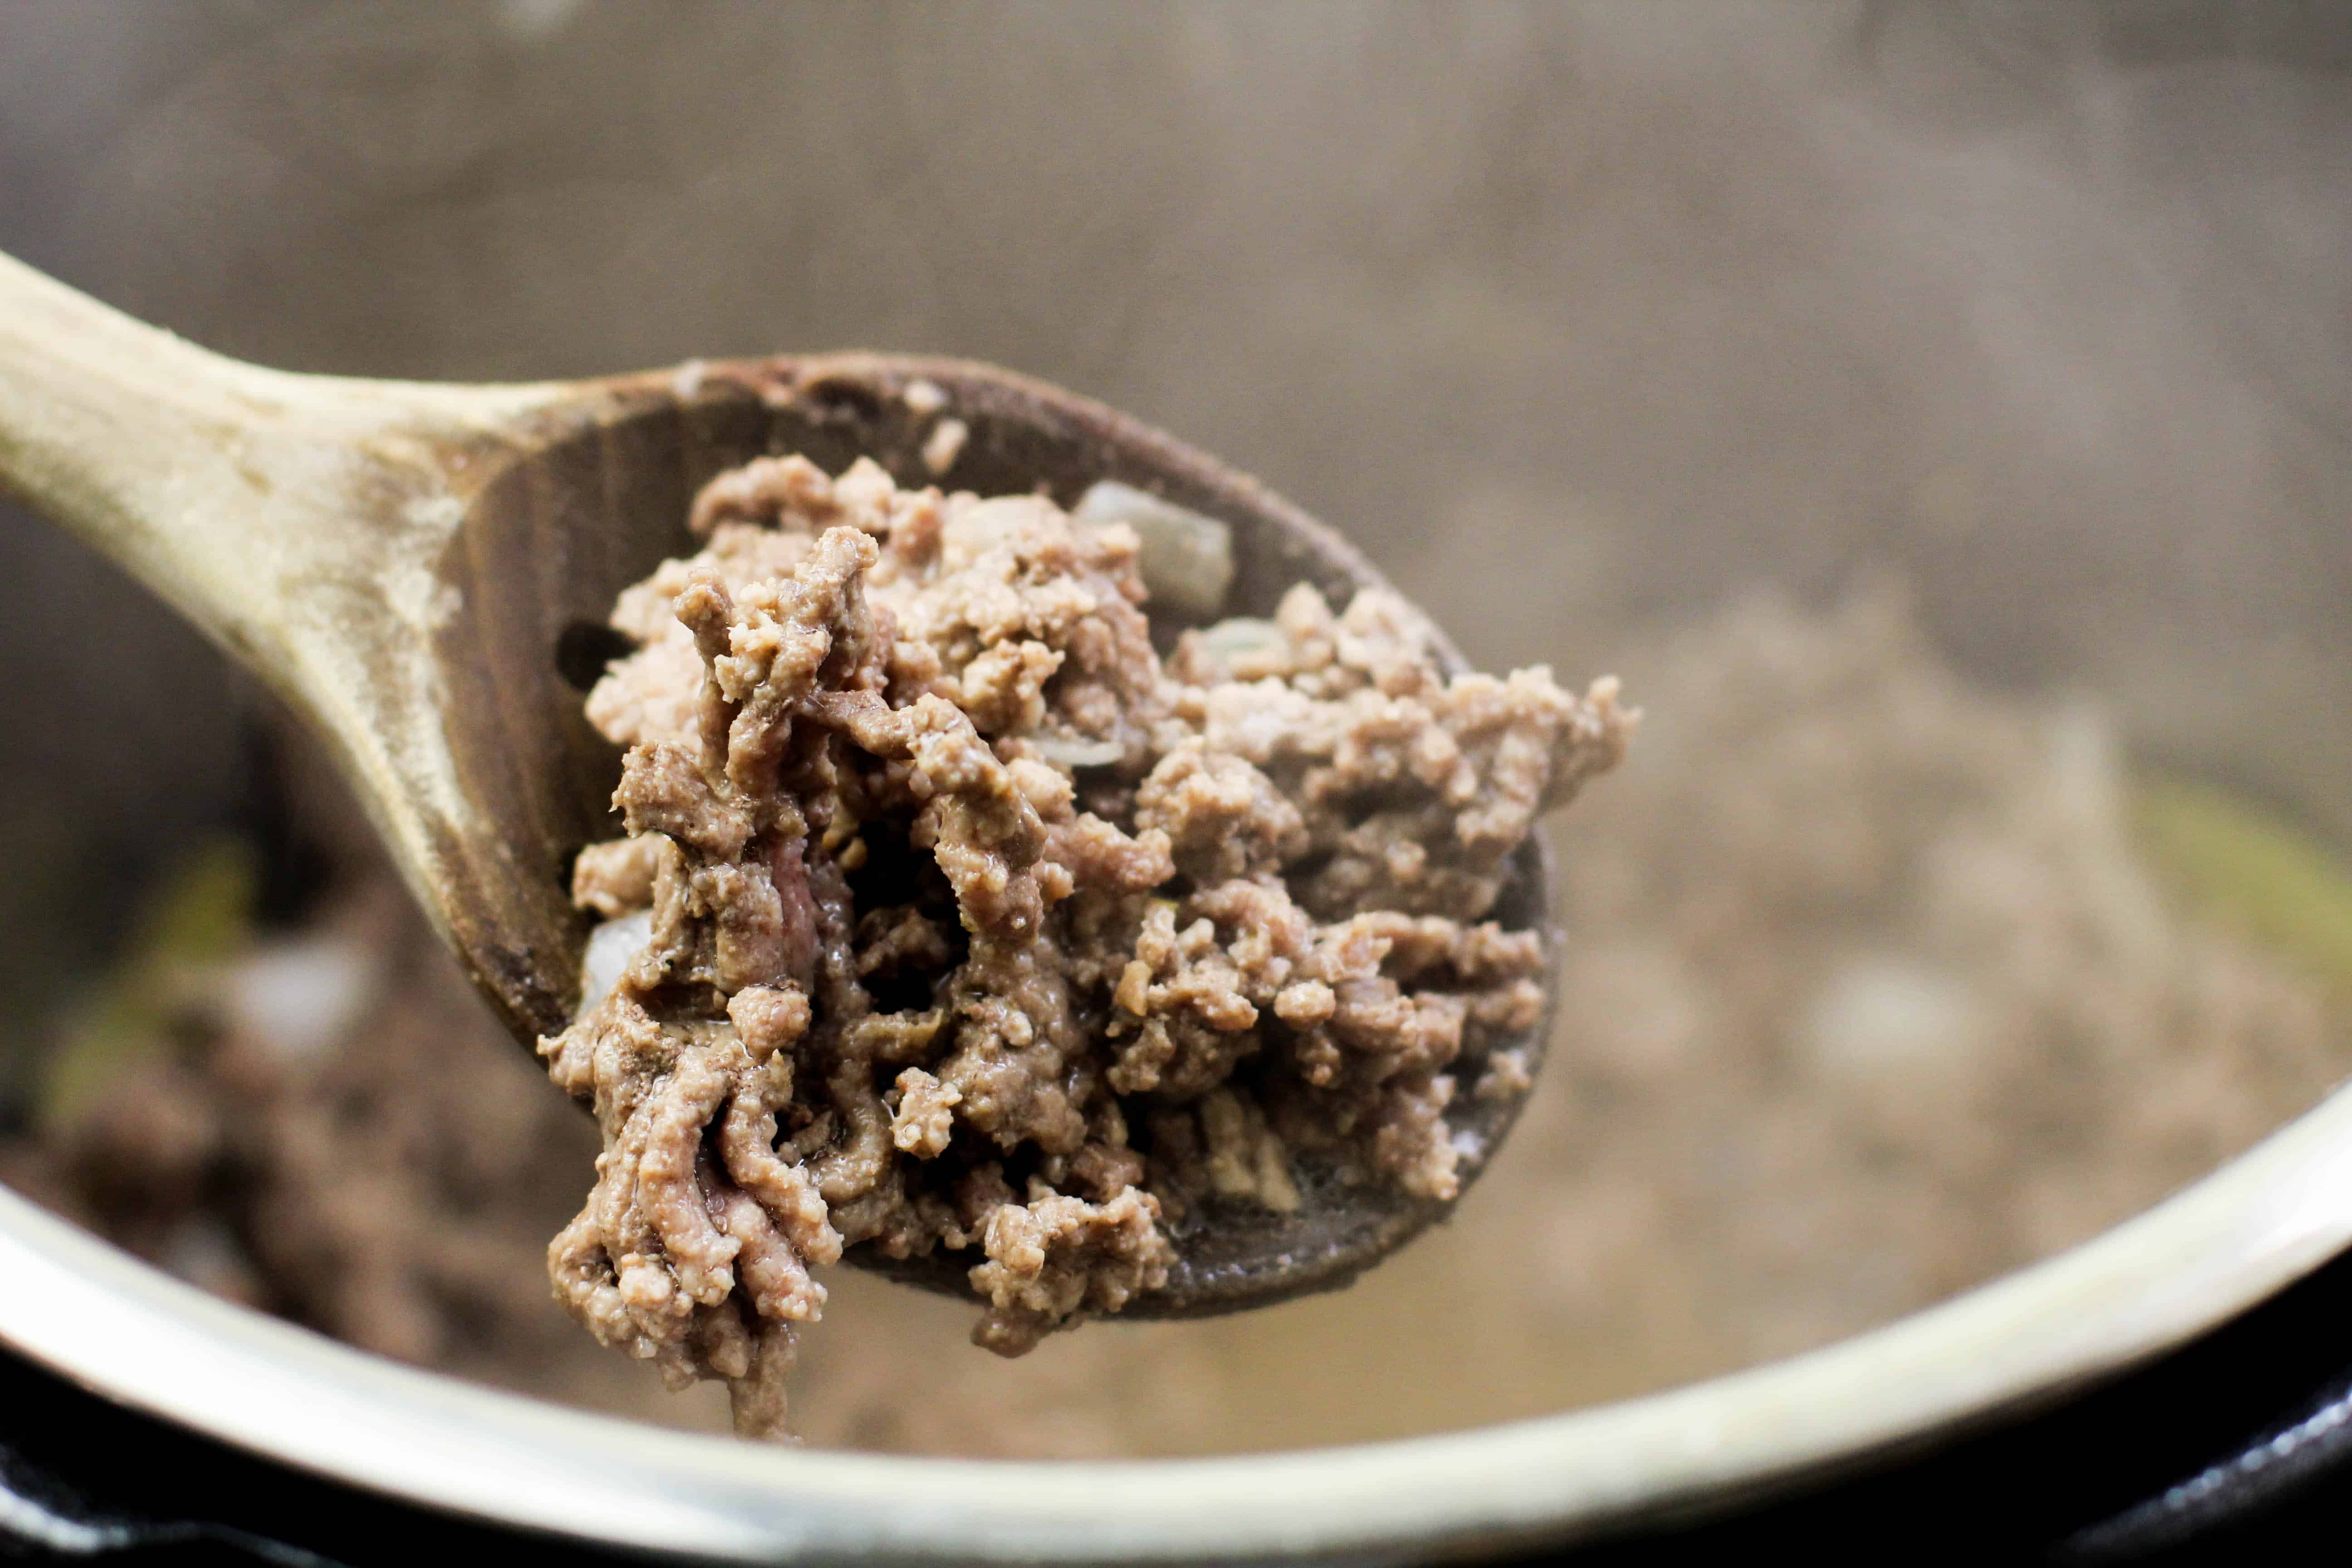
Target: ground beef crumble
{"points": [[1746, 1144], [972, 925]]}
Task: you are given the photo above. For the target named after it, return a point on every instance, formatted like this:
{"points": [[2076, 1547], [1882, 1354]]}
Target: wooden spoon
{"points": [[423, 571]]}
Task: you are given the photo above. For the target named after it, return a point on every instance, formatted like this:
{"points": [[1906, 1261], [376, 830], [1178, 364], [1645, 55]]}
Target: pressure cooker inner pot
{"points": [[1928, 413]]}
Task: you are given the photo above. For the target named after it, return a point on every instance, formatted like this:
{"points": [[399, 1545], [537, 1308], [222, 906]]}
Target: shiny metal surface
{"points": [[149, 1342]]}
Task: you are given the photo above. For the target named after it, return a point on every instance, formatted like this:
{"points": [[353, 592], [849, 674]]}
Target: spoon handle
{"points": [[227, 488], [128, 435]]}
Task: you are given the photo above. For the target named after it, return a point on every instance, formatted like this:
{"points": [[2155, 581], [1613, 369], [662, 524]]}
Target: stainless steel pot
{"points": [[140, 1339], [1733, 298]]}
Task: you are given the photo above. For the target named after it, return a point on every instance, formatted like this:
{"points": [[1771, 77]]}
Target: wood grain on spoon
{"points": [[404, 561]]}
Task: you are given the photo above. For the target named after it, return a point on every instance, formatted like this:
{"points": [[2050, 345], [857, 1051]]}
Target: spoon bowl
{"points": [[423, 571]]}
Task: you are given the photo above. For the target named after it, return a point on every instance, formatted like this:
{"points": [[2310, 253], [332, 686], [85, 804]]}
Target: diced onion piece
{"points": [[303, 997], [1187, 560], [1077, 752], [610, 946], [1239, 647], [1238, 635]]}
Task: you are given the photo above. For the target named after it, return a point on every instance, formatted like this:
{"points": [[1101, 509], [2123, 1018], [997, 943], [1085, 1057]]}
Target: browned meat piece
{"points": [[901, 991]]}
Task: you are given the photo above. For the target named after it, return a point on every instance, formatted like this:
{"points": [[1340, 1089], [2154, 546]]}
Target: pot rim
{"points": [[127, 1331]]}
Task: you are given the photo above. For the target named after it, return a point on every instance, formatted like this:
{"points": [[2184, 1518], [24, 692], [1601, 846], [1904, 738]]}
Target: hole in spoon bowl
{"points": [[582, 650]]}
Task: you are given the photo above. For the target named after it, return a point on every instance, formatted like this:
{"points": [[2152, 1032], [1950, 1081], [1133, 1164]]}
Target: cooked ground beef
{"points": [[972, 925], [326, 1125], [1744, 1144]]}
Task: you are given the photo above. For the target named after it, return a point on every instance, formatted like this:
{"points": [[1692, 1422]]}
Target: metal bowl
{"points": [[1732, 304]]}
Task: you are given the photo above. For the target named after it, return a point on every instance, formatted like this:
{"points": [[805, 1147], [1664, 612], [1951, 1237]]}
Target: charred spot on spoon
{"points": [[584, 648], [844, 400]]}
